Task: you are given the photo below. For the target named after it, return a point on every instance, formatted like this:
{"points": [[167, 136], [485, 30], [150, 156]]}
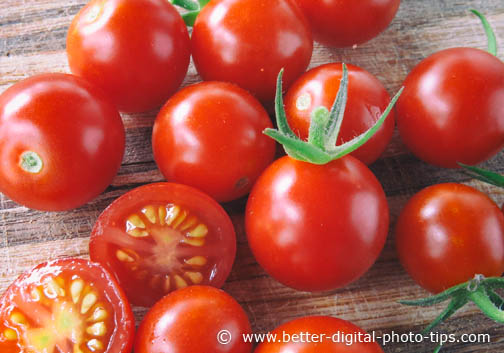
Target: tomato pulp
{"points": [[61, 142], [367, 100], [69, 305], [448, 233], [161, 237], [317, 227], [137, 51], [248, 42]]}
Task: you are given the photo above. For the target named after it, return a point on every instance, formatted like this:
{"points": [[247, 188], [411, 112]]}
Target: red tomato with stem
{"points": [[69, 305], [209, 136], [450, 111], [367, 100], [137, 51], [197, 319], [448, 233], [161, 237], [315, 334], [248, 42], [345, 23], [61, 142], [317, 227]]}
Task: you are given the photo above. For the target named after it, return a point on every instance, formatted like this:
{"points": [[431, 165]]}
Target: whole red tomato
{"points": [[317, 227], [343, 23], [319, 334], [209, 135], [197, 319], [451, 111], [161, 237], [248, 42], [137, 51], [448, 233], [367, 100], [69, 305], [61, 142]]}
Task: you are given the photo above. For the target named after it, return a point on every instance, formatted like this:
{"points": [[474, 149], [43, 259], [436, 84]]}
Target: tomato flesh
{"points": [[62, 306], [448, 233], [162, 237]]}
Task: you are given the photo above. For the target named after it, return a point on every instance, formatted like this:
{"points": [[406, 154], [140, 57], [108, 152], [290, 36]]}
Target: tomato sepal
{"points": [[492, 40], [484, 175], [325, 126], [193, 9], [479, 290]]}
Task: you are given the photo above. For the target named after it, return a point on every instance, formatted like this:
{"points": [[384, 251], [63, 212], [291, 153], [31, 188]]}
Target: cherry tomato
{"points": [[450, 109], [248, 42], [193, 320], [367, 100], [209, 136], [61, 142], [317, 227], [160, 237], [69, 305], [344, 23], [448, 233], [316, 334], [136, 50]]}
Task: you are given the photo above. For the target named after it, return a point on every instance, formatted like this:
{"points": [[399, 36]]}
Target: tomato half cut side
{"points": [[161, 237], [66, 305]]}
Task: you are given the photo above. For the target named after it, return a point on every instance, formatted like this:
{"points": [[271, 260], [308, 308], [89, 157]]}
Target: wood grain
{"points": [[32, 40]]}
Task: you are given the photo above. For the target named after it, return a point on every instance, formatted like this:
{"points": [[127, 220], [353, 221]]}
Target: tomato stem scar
{"points": [[31, 162]]}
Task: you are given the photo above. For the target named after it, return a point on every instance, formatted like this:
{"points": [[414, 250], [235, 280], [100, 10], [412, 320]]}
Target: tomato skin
{"points": [[219, 251], [324, 327], [102, 283], [340, 24], [76, 131], [367, 100], [188, 321], [448, 233], [231, 150], [450, 109], [137, 51], [248, 42], [316, 228]]}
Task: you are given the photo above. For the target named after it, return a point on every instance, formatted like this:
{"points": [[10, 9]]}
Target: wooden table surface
{"points": [[32, 40]]}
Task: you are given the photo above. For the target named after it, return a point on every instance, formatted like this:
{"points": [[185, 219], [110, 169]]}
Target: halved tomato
{"points": [[66, 305], [161, 237]]}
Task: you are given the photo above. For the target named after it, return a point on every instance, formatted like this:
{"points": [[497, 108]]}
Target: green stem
{"points": [[189, 5], [438, 348], [484, 175], [486, 305], [455, 304], [337, 111], [319, 120], [492, 41]]}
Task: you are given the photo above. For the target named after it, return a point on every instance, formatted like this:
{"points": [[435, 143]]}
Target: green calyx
{"points": [[325, 127], [492, 40], [192, 7], [484, 175], [480, 290]]}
